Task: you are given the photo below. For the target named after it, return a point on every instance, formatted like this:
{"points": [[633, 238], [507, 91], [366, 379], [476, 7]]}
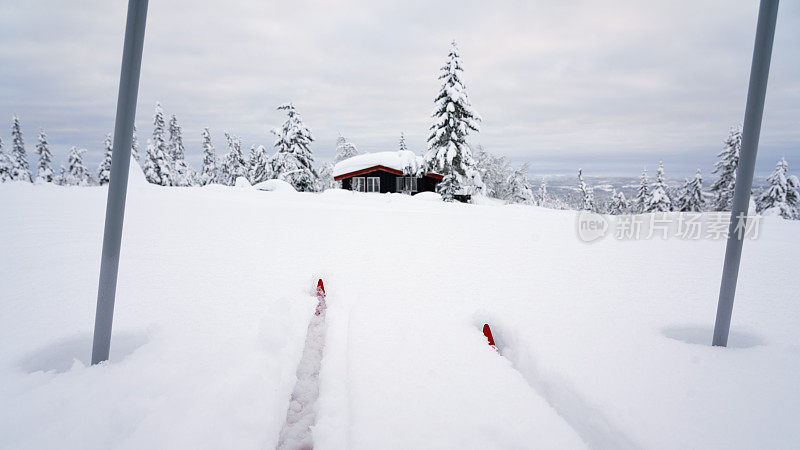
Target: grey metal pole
{"points": [[118, 181], [754, 109]]}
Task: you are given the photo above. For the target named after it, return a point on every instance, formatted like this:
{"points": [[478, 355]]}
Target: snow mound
{"points": [[241, 182], [405, 161], [428, 197], [275, 185]]}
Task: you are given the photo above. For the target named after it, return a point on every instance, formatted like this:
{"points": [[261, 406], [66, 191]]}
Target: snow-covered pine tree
{"points": [[587, 193], [104, 170], [402, 143], [209, 174], [642, 194], [44, 170], [183, 175], [659, 200], [20, 170], [233, 164], [344, 149], [448, 187], [260, 168], [251, 164], [519, 187], [726, 168], [691, 199], [158, 167], [781, 197], [293, 161], [77, 172], [495, 173], [448, 152], [326, 180], [5, 165], [150, 168], [542, 193], [135, 147], [224, 170], [618, 204], [61, 178]]}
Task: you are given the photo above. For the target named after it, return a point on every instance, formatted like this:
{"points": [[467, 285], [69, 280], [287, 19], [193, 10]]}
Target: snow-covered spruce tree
{"points": [[77, 172], [781, 197], [183, 175], [5, 165], [209, 174], [495, 173], [158, 167], [587, 193], [402, 144], [642, 194], [618, 204], [519, 187], [659, 200], [251, 163], [260, 168], [233, 164], [542, 197], [20, 170], [61, 178], [135, 147], [326, 180], [293, 161], [44, 170], [104, 170], [224, 170], [344, 149], [726, 169], [691, 199], [448, 152], [448, 187]]}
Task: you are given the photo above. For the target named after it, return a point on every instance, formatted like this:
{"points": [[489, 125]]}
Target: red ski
{"points": [[320, 297], [488, 333]]}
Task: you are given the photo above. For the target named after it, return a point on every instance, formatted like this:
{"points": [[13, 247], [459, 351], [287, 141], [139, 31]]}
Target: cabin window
{"points": [[407, 184], [358, 184], [373, 184]]}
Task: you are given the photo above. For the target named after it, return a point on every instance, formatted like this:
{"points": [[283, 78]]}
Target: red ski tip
{"points": [[320, 287], [320, 297], [488, 333]]}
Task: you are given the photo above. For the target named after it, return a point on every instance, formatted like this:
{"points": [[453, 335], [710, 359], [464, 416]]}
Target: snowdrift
{"points": [[275, 185]]}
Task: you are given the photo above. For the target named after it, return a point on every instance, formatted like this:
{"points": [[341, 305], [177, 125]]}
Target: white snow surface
{"points": [[404, 160], [604, 345]]}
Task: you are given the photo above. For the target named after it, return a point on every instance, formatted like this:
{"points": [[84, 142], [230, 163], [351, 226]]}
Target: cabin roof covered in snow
{"points": [[403, 161]]}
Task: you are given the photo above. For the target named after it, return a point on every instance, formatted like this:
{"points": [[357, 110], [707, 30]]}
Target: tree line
{"points": [[466, 170], [780, 197]]}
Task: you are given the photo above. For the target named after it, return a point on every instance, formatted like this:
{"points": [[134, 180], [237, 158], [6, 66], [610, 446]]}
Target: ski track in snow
{"points": [[301, 415], [587, 421]]}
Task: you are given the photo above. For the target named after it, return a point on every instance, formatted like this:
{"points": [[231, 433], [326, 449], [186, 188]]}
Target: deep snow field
{"points": [[604, 345]]}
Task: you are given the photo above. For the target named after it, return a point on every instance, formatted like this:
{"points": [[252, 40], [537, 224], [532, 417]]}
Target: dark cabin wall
{"points": [[427, 184], [389, 182]]}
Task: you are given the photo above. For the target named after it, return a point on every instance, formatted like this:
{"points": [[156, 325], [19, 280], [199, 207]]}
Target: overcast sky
{"points": [[609, 86]]}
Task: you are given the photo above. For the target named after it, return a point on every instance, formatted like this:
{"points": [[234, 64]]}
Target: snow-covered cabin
{"points": [[400, 171]]}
